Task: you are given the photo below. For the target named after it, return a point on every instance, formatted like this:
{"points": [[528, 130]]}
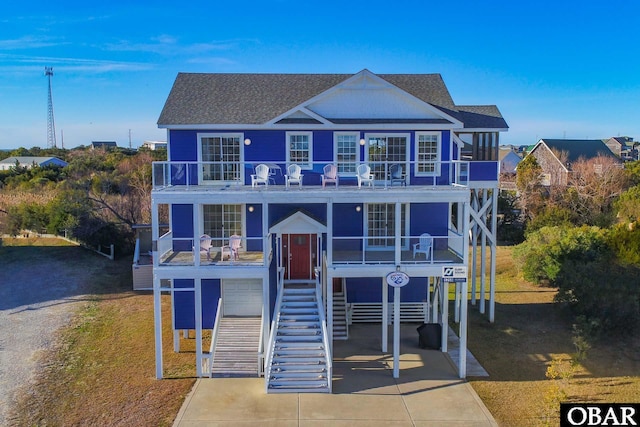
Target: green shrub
{"points": [[602, 294], [541, 257], [624, 240]]}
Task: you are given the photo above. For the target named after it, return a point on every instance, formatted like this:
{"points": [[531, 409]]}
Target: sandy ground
{"points": [[35, 301]]}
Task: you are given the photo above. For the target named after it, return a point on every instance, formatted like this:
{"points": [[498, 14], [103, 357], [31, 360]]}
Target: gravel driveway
{"points": [[38, 296]]}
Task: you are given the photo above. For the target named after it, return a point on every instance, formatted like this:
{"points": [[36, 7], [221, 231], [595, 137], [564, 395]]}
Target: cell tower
{"points": [[51, 126]]}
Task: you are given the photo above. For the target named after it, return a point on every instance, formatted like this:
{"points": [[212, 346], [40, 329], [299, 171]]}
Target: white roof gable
{"points": [[298, 223], [366, 96]]}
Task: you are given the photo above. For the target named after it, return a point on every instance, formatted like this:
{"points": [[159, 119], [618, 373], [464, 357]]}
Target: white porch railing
{"points": [[272, 334], [223, 173], [381, 250], [207, 362], [325, 334]]}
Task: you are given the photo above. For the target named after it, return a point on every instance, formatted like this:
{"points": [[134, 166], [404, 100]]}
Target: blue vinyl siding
{"points": [[184, 303], [182, 226], [278, 212], [430, 218], [183, 145], [362, 290], [254, 227]]}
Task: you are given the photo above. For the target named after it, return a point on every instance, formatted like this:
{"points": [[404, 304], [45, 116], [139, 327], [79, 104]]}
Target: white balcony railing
{"points": [[431, 173]]}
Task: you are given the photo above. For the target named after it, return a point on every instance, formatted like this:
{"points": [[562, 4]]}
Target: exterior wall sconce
{"points": [[362, 141], [247, 141], [250, 208], [358, 208]]}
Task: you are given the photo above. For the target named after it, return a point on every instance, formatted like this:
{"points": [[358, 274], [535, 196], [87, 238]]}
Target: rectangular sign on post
{"points": [[454, 274]]}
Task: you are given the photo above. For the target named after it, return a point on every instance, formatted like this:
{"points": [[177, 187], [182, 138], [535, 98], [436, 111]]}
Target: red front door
{"points": [[299, 255]]}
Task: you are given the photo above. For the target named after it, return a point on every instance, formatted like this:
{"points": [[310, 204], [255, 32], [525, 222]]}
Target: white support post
{"points": [[396, 332], [330, 232], [494, 244], [483, 257], [176, 340], [198, 313], [157, 319], [444, 286], [157, 295], [196, 235], [398, 233], [457, 304], [462, 361], [385, 315], [474, 246], [266, 318], [435, 305], [330, 309]]}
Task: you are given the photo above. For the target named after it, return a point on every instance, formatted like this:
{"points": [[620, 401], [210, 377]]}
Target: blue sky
{"points": [[554, 68]]}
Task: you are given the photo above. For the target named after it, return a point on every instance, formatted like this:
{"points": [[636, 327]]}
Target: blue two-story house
{"points": [[290, 198]]}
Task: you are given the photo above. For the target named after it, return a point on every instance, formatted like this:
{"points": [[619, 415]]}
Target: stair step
{"points": [[296, 376], [298, 384], [299, 360]]}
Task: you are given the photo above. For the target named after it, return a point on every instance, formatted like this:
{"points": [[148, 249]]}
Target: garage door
{"points": [[242, 297]]}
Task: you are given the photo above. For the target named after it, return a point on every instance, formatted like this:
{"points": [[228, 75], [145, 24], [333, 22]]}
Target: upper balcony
{"points": [[184, 176]]}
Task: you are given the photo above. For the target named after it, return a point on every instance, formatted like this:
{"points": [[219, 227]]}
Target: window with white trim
{"points": [[221, 221], [300, 149], [427, 153], [347, 152], [221, 157]]}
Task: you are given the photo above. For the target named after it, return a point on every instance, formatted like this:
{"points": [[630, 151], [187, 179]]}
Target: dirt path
{"points": [[40, 289]]}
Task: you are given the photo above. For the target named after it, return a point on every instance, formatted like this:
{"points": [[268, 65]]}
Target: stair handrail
{"points": [[328, 354], [272, 334], [261, 349], [214, 336]]}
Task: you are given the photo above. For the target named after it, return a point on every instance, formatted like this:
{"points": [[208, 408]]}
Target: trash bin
{"points": [[430, 336]]}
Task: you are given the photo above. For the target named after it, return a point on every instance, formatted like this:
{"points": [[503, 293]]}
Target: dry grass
{"points": [[528, 334], [103, 371]]}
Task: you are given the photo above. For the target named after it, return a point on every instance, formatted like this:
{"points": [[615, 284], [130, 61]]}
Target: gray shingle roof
{"points": [[481, 116], [202, 99], [580, 148]]}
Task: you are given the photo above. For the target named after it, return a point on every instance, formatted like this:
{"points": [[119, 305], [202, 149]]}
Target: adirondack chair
{"points": [[330, 175], [396, 174], [261, 176], [235, 242], [365, 176], [294, 175], [205, 245], [424, 246]]}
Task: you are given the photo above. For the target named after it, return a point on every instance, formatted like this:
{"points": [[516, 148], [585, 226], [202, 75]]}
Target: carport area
{"points": [[427, 392]]}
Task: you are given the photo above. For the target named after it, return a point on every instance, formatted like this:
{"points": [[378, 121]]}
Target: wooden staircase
{"points": [[299, 362], [236, 352]]}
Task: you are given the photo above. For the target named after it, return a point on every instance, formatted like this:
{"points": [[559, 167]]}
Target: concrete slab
{"points": [[428, 392]]}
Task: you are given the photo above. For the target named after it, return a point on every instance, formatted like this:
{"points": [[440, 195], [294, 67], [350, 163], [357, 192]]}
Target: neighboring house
{"points": [[509, 160], [105, 145], [555, 156], [622, 146], [378, 194], [155, 145], [30, 161]]}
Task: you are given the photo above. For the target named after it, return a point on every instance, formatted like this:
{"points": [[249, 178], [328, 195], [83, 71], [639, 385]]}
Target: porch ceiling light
{"points": [[247, 141], [358, 208], [250, 208]]}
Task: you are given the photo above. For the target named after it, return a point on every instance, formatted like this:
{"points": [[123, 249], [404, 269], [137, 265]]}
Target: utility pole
{"points": [[51, 126]]}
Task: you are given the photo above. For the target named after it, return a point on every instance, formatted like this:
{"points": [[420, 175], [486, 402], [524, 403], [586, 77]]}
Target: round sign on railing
{"points": [[397, 279]]}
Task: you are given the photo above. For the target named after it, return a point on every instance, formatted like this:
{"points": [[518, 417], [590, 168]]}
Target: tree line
{"points": [[583, 238], [95, 199]]}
